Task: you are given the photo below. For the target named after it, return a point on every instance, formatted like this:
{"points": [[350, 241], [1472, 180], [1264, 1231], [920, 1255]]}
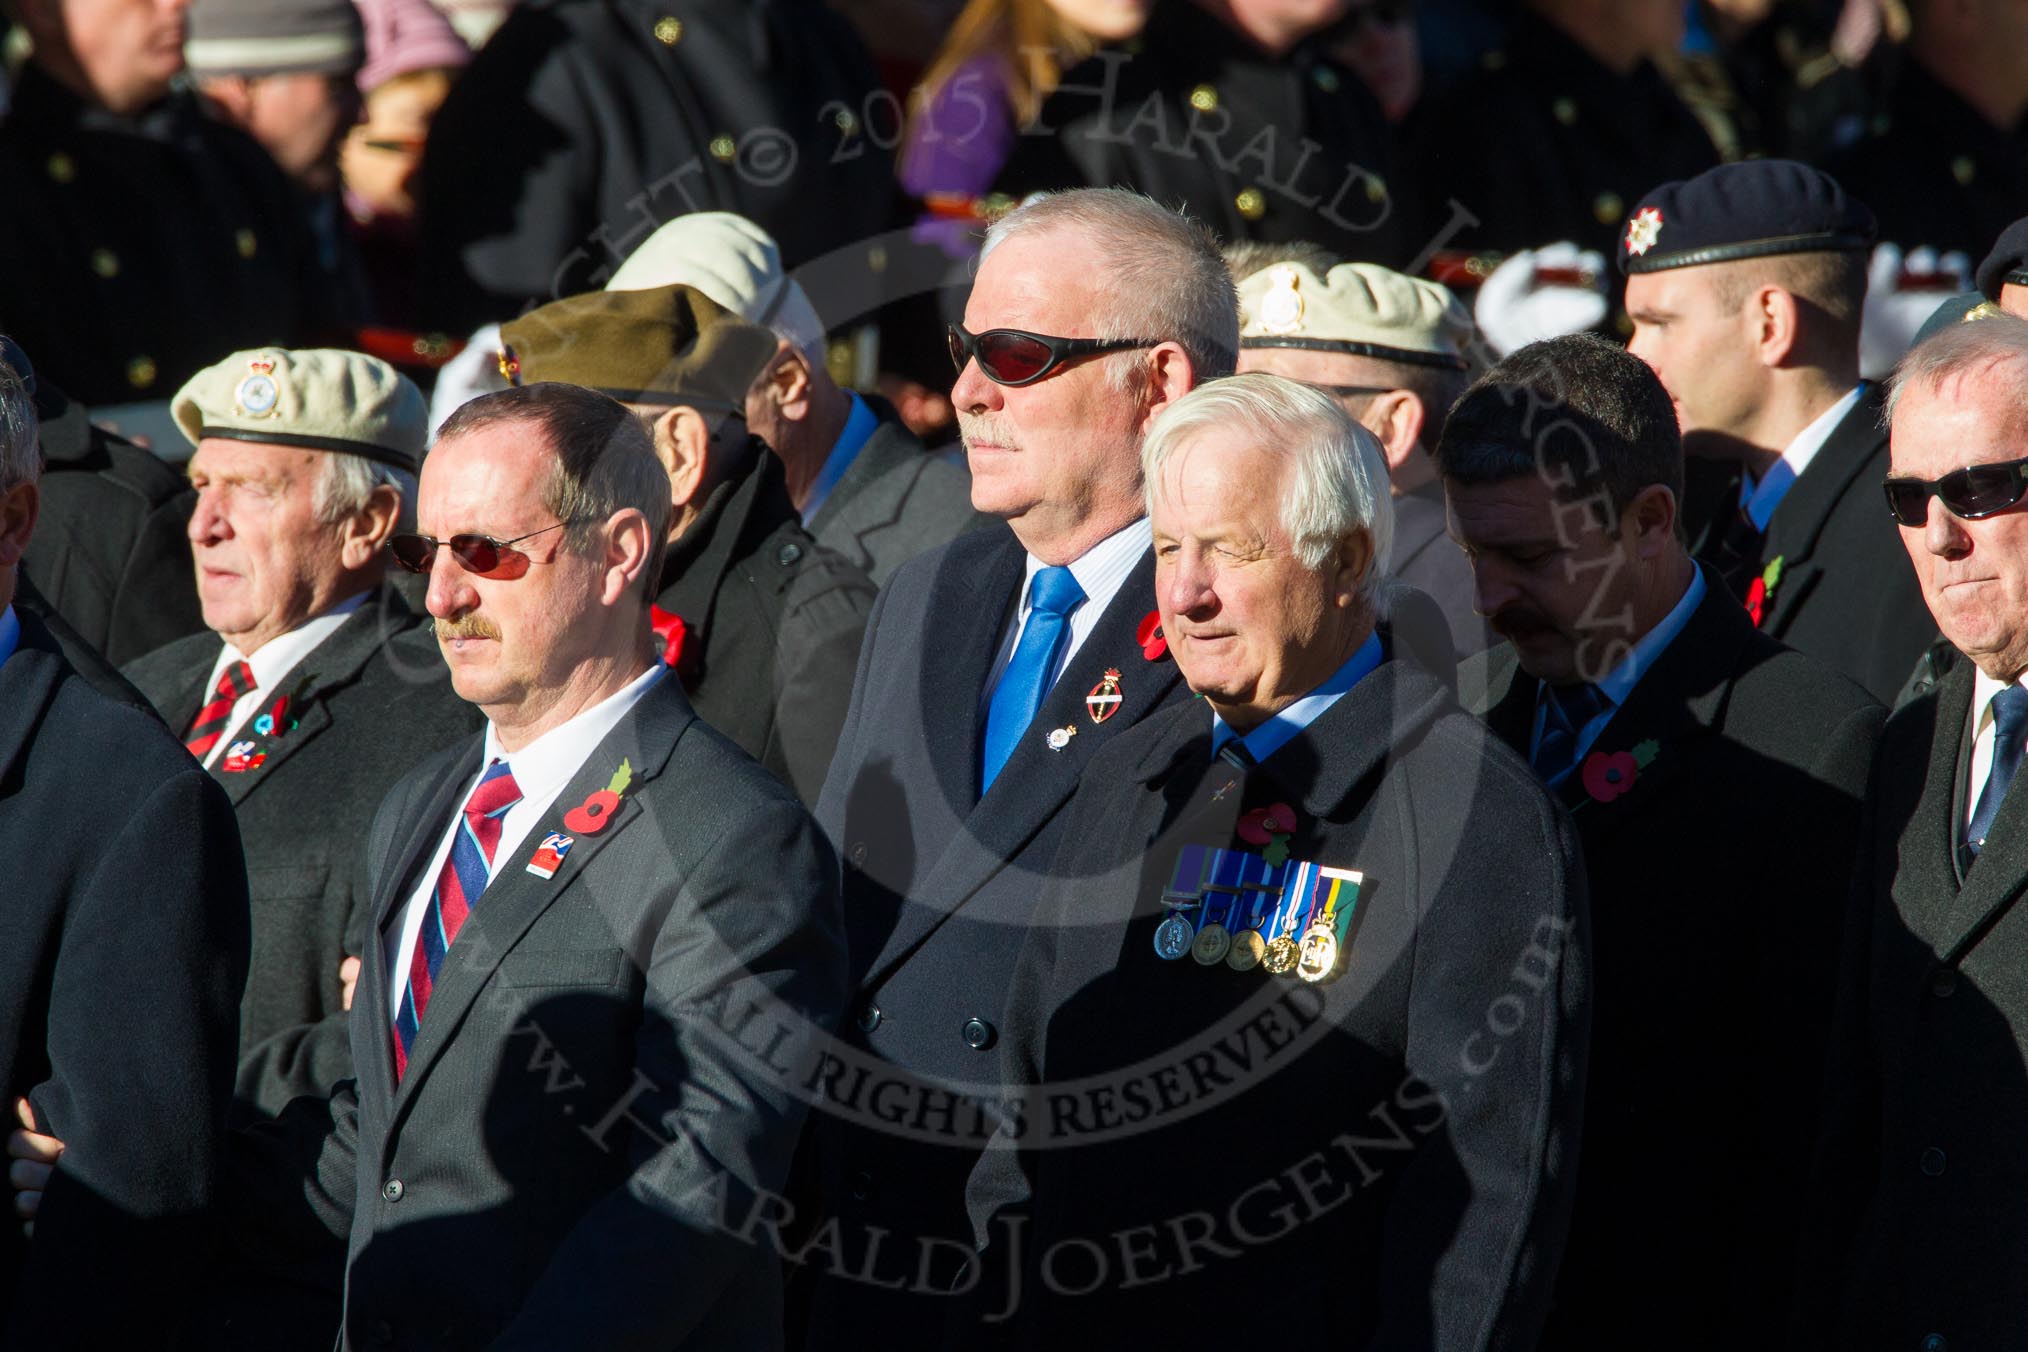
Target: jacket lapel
{"points": [[970, 600], [516, 898], [1037, 779], [1792, 532], [1996, 879]]}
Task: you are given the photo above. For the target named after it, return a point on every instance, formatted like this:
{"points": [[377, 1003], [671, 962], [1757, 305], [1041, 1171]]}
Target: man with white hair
{"points": [[1304, 1002], [993, 669], [316, 687]]}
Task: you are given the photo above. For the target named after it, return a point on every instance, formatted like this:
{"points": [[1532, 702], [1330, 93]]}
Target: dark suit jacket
{"points": [[1846, 594], [110, 550], [369, 702], [605, 1083], [1717, 882], [939, 884], [774, 624], [84, 659], [123, 945], [1372, 1150], [1915, 1234], [894, 500]]}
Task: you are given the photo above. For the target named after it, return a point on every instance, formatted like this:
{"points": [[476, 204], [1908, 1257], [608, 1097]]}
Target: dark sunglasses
{"points": [[1011, 357], [1970, 493], [480, 554]]}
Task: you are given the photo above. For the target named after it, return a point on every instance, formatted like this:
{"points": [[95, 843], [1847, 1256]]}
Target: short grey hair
{"points": [[20, 433], [1337, 480], [346, 485], [1159, 276], [1990, 341]]}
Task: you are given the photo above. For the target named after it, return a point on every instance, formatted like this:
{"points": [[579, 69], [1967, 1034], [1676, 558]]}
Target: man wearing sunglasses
{"points": [[1395, 352], [316, 687], [995, 667], [1915, 1238], [1746, 286], [760, 623]]}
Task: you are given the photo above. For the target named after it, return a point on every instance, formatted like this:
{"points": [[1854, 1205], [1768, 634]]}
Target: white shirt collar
{"points": [[1984, 688], [279, 655], [545, 765], [1102, 568], [1761, 499]]}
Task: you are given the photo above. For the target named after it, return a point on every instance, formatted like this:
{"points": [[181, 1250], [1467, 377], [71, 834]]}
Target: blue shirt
{"points": [[1619, 683], [1278, 731], [860, 425], [10, 633]]}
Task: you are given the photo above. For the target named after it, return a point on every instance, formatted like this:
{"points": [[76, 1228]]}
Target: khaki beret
{"points": [[1359, 309], [319, 399], [670, 345]]}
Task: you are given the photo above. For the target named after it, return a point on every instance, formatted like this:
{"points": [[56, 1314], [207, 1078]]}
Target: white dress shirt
{"points": [[1984, 733], [1760, 499], [272, 664], [540, 770], [1101, 572]]}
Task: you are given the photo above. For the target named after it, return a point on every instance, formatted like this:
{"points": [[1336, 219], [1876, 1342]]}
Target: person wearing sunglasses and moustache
{"points": [[316, 687], [994, 668], [1914, 1240]]}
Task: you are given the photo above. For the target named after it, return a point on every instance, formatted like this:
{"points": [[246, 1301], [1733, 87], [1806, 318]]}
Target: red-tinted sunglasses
{"points": [[1014, 357], [480, 554]]}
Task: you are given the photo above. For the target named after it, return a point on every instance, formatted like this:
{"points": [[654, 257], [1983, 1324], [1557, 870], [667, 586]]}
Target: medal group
{"points": [[1229, 906]]}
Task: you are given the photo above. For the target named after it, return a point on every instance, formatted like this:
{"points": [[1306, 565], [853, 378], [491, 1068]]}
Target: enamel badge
{"points": [[1644, 230], [1104, 700], [258, 394], [548, 857], [1280, 308], [1059, 738]]}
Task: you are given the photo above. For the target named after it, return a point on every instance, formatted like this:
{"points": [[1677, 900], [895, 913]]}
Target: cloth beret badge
{"points": [[1280, 310], [1643, 230], [258, 394]]}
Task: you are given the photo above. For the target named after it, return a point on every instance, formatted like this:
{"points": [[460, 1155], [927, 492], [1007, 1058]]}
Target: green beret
{"points": [[1359, 309], [319, 399], [671, 345]]}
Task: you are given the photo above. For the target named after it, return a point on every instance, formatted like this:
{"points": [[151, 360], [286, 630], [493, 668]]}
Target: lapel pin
{"points": [[548, 857], [240, 757], [1059, 738], [1104, 700], [1154, 645]]}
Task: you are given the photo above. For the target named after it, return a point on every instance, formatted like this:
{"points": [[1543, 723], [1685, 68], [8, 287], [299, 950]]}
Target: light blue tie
{"points": [[1051, 597]]}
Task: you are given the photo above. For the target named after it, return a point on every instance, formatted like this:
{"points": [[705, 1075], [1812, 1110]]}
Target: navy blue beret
{"points": [[1753, 209], [2008, 262]]}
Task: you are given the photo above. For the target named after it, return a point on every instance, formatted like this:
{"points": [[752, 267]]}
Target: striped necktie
{"points": [[209, 725], [458, 889]]}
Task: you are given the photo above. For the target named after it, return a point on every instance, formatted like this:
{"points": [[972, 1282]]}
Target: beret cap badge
{"points": [[1280, 310], [1644, 230], [510, 365], [257, 395]]}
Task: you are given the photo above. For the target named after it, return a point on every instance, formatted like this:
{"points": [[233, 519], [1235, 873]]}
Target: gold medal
{"points": [[1211, 944], [1318, 955], [1173, 938], [1281, 956], [1246, 952]]}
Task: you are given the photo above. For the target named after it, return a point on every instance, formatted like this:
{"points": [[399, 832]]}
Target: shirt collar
{"points": [[278, 656], [1101, 569], [545, 765], [10, 633], [1617, 684], [860, 426], [1761, 499], [1278, 731], [1984, 688]]}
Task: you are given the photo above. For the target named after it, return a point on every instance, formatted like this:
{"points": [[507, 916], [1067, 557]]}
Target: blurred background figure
{"points": [[475, 20], [1378, 40], [142, 238], [282, 71], [412, 56]]}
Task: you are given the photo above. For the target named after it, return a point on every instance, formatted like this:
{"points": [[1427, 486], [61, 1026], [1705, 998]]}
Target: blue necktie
{"points": [[1051, 597], [1570, 708], [2010, 733]]}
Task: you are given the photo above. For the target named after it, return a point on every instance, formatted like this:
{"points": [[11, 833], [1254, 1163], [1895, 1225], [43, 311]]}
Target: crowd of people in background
{"points": [[939, 674]]}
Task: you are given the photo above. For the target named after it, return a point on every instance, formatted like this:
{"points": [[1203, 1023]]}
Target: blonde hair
{"points": [[1033, 43]]}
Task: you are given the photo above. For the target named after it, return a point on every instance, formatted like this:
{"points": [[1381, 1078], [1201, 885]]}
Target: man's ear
{"points": [[361, 535], [1355, 561], [1397, 418], [19, 506], [1649, 522], [683, 443], [629, 553], [1171, 375], [1775, 315], [786, 382]]}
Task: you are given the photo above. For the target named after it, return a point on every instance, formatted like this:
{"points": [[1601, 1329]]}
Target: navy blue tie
{"points": [[1570, 708], [2010, 734], [1051, 597]]}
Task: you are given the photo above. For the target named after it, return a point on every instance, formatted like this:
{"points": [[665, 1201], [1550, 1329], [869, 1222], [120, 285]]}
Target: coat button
{"points": [[790, 552], [723, 149], [856, 856], [392, 1190], [869, 1018], [1325, 79], [1932, 1162], [1204, 99], [62, 168], [861, 1186], [141, 372], [1944, 984], [1607, 208], [1252, 203], [1934, 1343], [668, 30], [977, 1033]]}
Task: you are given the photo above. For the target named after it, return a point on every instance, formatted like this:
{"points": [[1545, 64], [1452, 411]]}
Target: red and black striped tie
{"points": [[209, 725]]}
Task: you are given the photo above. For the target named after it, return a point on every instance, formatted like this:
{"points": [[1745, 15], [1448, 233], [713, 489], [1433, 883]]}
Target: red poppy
{"points": [[1608, 774], [670, 631], [1263, 824], [1153, 645], [591, 818], [1756, 601]]}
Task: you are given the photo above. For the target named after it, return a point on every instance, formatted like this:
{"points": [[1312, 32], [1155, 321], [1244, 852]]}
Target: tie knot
{"points": [[496, 793], [1577, 704], [1054, 590], [238, 679], [2010, 713]]}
